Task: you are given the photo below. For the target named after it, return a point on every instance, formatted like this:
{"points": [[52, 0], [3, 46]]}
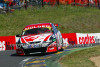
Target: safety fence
{"points": [[93, 3], [69, 39], [10, 5], [81, 39]]}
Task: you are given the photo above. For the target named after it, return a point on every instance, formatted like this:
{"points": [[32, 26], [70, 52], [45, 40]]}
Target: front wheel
{"points": [[57, 47], [62, 46]]}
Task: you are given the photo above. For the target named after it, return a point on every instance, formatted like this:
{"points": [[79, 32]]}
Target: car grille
{"points": [[34, 42], [32, 50]]}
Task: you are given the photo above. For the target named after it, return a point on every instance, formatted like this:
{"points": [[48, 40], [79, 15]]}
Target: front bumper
{"points": [[51, 48], [31, 51]]}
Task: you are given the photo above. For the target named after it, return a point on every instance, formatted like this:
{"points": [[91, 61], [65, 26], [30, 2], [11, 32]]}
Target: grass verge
{"points": [[80, 58], [70, 19], [54, 60]]}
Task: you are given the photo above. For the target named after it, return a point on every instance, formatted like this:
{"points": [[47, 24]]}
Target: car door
{"points": [[58, 36]]}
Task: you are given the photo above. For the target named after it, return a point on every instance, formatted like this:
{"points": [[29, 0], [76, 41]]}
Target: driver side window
{"points": [[54, 29]]}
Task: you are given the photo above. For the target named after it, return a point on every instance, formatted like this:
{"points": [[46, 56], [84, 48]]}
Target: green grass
{"points": [[54, 60], [80, 58], [70, 19]]}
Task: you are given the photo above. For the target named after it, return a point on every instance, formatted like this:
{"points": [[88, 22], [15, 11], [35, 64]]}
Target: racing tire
{"points": [[27, 54], [57, 47], [62, 46]]}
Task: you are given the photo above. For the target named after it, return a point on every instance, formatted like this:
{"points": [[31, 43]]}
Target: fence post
{"points": [[25, 4], [98, 4], [3, 3], [7, 8], [57, 2], [88, 3], [42, 3], [74, 2]]}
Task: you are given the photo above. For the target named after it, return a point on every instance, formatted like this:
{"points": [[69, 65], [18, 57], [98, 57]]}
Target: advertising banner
{"points": [[88, 38], [7, 43], [70, 38], [81, 38]]}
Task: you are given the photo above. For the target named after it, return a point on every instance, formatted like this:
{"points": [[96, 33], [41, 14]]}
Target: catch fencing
{"points": [[93, 3], [9, 5]]}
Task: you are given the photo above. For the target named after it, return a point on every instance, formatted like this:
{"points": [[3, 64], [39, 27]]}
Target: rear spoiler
{"points": [[56, 25]]}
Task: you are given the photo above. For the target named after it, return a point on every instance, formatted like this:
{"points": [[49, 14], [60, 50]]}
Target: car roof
{"points": [[39, 25]]}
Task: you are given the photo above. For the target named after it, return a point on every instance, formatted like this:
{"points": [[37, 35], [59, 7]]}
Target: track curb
{"points": [[54, 61], [51, 60]]}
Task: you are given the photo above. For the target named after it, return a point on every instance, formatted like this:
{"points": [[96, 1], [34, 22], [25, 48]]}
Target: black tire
{"points": [[26, 53], [62, 46], [57, 46]]}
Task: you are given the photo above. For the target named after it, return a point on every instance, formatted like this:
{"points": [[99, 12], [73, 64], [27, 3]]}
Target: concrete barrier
{"points": [[69, 39]]}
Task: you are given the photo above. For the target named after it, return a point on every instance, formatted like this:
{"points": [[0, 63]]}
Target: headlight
{"points": [[45, 44], [21, 45]]}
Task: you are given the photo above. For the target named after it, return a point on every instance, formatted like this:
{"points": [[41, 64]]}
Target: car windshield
{"points": [[37, 31]]}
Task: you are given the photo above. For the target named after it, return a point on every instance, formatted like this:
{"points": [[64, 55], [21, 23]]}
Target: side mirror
{"points": [[56, 25], [53, 31], [17, 35]]}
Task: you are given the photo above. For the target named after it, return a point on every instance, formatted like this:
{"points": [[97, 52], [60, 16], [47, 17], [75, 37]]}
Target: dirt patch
{"points": [[96, 60]]}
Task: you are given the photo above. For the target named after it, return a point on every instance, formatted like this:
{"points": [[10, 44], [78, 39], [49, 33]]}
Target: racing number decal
{"points": [[2, 45]]}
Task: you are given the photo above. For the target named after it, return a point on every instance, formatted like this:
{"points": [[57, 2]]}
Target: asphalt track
{"points": [[10, 59]]}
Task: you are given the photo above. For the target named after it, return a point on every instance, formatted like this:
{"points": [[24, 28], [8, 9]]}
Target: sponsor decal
{"points": [[47, 37], [54, 40], [33, 46], [29, 38], [2, 45], [53, 44], [86, 40], [36, 26], [41, 37], [80, 38], [97, 39], [52, 47]]}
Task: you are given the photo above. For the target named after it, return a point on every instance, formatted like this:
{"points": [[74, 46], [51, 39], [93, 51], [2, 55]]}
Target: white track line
{"points": [[23, 61]]}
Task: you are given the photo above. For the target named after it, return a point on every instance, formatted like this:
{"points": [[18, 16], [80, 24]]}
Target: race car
{"points": [[39, 38]]}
